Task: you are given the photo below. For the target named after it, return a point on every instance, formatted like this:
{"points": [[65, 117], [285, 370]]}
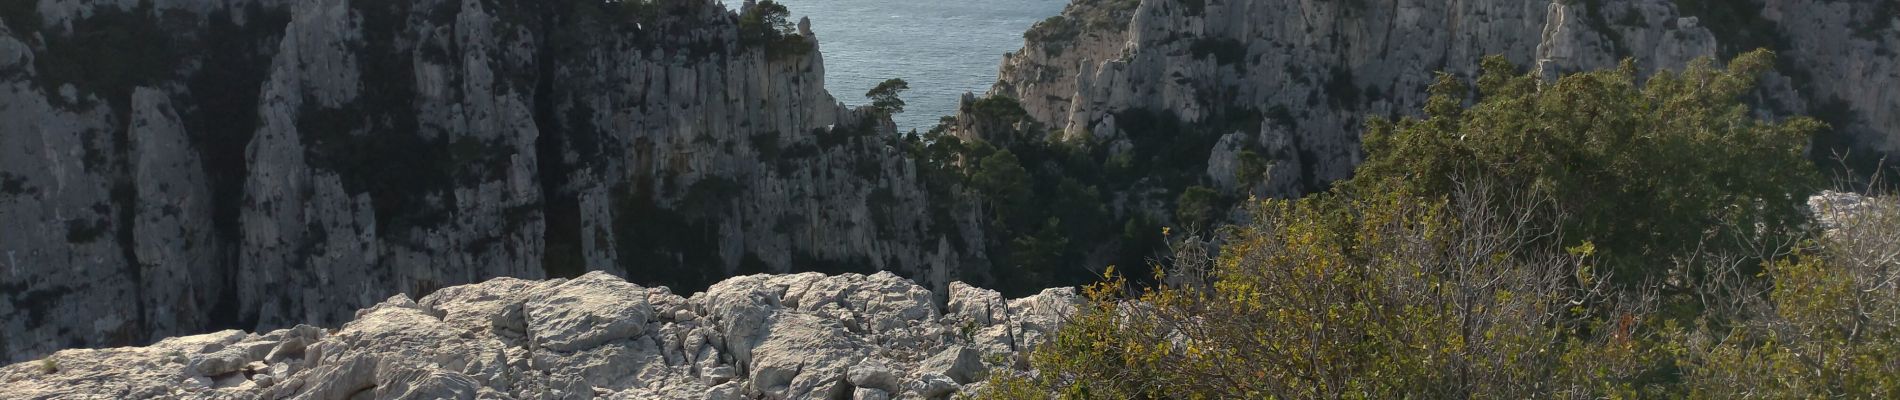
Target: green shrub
{"points": [[1382, 297], [1642, 171], [1474, 256], [1827, 327], [1197, 207]]}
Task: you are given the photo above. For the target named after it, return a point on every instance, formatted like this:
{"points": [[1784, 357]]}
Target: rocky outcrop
{"points": [[1844, 57], [760, 336], [1837, 212], [170, 167], [1294, 80]]}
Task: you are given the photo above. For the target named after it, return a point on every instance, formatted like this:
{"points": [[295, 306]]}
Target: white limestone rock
{"points": [[586, 312], [485, 341], [961, 364], [241, 178]]}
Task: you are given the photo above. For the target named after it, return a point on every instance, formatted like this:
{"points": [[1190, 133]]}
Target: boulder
{"points": [[960, 363], [757, 337], [933, 386], [586, 312], [872, 373], [804, 356], [870, 394]]}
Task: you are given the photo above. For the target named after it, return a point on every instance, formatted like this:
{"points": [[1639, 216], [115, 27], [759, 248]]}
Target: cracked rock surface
{"points": [[596, 336]]}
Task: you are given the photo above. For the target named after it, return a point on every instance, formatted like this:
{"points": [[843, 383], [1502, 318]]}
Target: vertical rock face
{"points": [[1295, 79], [1846, 58], [169, 167], [395, 154], [173, 247]]}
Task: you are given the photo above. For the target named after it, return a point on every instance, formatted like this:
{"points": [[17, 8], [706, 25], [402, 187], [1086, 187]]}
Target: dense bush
{"points": [[1332, 297], [1643, 171], [1476, 257], [1057, 209]]}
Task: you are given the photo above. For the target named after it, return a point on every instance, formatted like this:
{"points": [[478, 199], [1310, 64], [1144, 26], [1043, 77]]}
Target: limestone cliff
{"points": [[170, 167], [1294, 79], [755, 337]]}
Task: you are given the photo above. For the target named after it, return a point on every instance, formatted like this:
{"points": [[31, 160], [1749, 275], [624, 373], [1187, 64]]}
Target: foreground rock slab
{"points": [[596, 336]]}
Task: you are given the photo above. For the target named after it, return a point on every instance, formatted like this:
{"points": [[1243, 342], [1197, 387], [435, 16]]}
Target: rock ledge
{"points": [[596, 336]]}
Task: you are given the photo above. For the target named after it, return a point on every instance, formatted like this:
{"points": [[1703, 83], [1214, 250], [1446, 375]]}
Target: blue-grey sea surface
{"points": [[944, 48]]}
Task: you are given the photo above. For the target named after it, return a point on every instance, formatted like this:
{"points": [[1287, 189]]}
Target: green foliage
{"points": [[1055, 34], [1004, 184], [884, 97], [1253, 167], [1642, 171], [1820, 342], [1038, 255], [49, 365], [768, 24], [1073, 183], [1828, 327], [1197, 207], [1468, 259], [1059, 33], [1000, 118], [1331, 298]]}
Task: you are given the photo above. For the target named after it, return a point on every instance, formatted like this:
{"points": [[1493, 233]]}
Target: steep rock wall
{"points": [[169, 167], [1295, 79]]}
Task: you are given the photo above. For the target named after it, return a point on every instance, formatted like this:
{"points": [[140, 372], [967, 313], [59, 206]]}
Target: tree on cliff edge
{"points": [[884, 97]]}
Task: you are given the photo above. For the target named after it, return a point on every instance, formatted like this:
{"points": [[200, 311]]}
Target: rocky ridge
{"points": [[171, 167], [596, 336], [1294, 80]]}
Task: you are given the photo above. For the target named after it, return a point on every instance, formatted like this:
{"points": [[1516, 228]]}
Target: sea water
{"points": [[944, 48]]}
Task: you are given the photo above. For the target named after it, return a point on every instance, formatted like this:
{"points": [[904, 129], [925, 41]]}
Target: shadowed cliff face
{"points": [[172, 167], [1165, 113], [1294, 80]]}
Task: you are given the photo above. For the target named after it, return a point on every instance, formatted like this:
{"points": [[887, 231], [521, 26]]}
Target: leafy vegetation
{"points": [[768, 24], [1482, 253], [1614, 155], [1058, 33], [884, 97], [1057, 209]]}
